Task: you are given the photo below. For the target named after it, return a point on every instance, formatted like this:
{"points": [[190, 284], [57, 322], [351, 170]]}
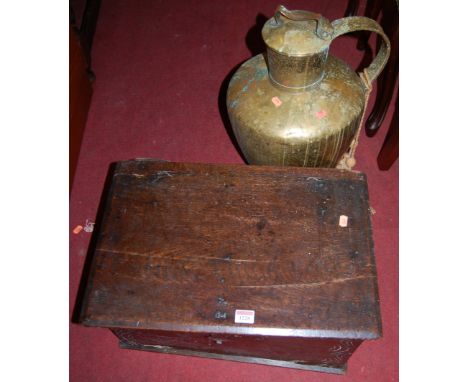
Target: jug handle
{"points": [[329, 31], [360, 23]]}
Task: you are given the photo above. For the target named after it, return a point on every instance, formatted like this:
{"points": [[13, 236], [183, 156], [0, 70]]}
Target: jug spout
{"points": [[297, 48]]}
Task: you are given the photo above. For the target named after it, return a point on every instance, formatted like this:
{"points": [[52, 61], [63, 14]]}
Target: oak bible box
{"points": [[271, 265]]}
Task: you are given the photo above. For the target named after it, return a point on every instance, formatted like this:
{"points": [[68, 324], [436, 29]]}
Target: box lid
{"points": [[183, 246]]}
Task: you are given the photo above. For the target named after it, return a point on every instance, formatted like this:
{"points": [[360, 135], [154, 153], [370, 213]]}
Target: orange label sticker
{"points": [[276, 101], [77, 229]]}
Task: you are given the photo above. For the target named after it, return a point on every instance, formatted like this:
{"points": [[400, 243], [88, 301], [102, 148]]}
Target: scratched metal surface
{"points": [[182, 246], [297, 105], [310, 128]]}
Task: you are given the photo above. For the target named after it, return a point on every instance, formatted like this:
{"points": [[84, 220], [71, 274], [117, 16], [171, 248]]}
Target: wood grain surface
{"points": [[182, 246]]}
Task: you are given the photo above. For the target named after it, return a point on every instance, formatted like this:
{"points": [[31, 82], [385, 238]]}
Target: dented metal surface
{"points": [[296, 105]]}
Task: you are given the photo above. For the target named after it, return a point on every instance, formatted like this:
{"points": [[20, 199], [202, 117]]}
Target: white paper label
{"points": [[343, 221], [244, 316]]}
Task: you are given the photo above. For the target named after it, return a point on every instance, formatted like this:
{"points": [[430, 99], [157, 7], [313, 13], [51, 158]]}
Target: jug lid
{"points": [[297, 32]]}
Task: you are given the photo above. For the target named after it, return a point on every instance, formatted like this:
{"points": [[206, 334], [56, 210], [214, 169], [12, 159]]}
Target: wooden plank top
{"points": [[183, 246]]}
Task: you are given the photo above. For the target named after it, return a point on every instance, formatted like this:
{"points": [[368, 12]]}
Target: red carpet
{"points": [[160, 69]]}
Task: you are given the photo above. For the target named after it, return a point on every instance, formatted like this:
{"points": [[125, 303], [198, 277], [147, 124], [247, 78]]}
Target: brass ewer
{"points": [[297, 105]]}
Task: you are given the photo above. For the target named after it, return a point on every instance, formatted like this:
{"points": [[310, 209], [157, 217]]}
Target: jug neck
{"points": [[296, 73]]}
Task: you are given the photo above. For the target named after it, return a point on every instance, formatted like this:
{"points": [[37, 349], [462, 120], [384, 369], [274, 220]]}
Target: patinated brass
{"points": [[296, 105]]}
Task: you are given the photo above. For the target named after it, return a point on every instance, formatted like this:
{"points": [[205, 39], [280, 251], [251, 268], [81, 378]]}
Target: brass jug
{"points": [[298, 106]]}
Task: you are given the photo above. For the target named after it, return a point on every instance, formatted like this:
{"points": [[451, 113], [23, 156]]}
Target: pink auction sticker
{"points": [[276, 101], [244, 316], [320, 114]]}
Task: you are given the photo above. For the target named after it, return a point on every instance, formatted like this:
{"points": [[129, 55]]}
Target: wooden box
{"points": [[271, 265]]}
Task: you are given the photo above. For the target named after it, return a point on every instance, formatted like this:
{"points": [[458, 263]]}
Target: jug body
{"points": [[312, 128], [296, 105]]}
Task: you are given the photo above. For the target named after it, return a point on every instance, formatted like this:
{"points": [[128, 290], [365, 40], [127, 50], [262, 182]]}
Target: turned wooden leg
{"points": [[353, 6], [373, 8], [390, 148], [385, 89]]}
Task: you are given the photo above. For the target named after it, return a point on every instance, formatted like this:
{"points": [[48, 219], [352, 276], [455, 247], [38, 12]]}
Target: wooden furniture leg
{"points": [[80, 80], [80, 92], [87, 29], [373, 9], [390, 148], [353, 6], [387, 85]]}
